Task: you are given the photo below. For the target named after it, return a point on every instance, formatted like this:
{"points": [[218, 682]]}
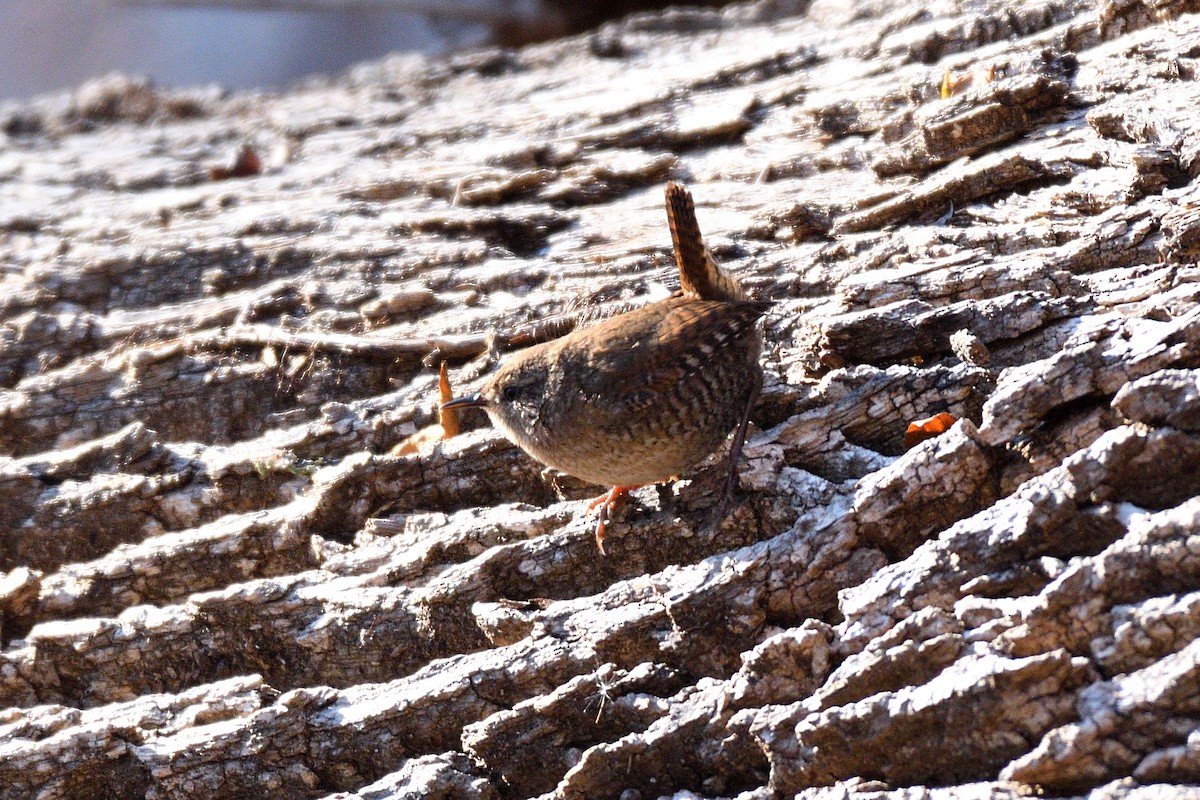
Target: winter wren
{"points": [[643, 396]]}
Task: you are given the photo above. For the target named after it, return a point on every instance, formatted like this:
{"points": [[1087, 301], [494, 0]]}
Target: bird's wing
{"points": [[667, 342]]}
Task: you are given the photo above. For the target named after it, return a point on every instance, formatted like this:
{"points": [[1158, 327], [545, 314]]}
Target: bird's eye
{"points": [[511, 393]]}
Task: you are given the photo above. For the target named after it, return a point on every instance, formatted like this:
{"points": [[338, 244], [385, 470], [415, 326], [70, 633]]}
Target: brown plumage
{"points": [[643, 396], [699, 274], [636, 399]]}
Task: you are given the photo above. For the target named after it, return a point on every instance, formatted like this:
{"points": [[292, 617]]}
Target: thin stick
{"points": [[735, 452]]}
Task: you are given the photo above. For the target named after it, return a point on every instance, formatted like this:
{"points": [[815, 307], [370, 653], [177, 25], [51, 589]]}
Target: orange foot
{"points": [[606, 501]]}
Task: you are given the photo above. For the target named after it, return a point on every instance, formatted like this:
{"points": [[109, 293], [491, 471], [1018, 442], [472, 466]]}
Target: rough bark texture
{"points": [[218, 583]]}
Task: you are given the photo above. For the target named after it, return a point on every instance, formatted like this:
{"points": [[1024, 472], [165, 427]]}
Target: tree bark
{"points": [[217, 580]]}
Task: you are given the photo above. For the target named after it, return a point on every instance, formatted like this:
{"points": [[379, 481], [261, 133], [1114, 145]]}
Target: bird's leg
{"points": [[606, 501], [735, 452]]}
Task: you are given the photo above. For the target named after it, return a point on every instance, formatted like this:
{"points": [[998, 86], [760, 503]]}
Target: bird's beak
{"points": [[470, 401]]}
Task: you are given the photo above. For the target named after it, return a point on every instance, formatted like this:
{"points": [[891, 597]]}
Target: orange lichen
{"points": [[927, 428], [447, 425]]}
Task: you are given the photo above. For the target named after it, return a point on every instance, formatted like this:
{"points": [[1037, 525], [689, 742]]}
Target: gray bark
{"points": [[216, 580]]}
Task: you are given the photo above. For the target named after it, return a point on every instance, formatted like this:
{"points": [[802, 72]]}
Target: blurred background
{"points": [[51, 45]]}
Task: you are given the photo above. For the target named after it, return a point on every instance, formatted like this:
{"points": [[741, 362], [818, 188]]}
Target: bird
{"points": [[641, 397]]}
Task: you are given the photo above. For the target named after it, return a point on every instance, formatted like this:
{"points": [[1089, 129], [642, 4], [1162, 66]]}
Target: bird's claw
{"points": [[606, 502]]}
